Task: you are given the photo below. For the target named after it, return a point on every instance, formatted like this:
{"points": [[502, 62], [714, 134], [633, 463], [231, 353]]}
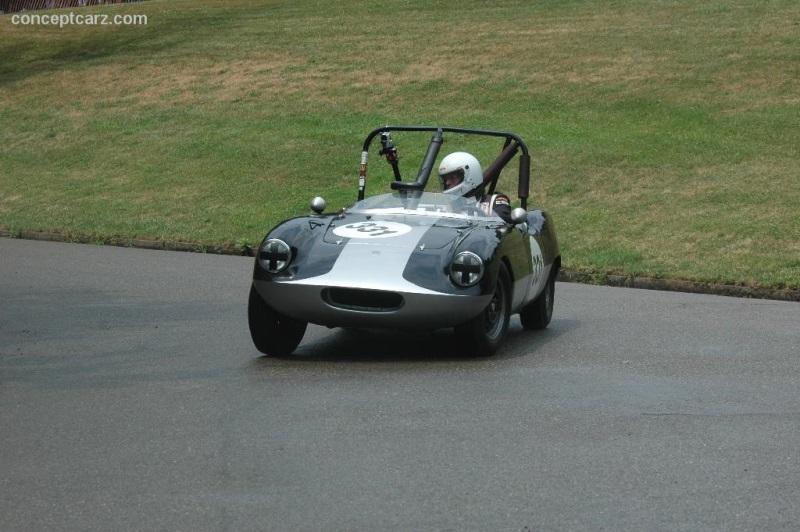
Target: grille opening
{"points": [[363, 300]]}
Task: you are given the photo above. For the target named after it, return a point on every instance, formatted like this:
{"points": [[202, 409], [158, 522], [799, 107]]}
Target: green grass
{"points": [[664, 134]]}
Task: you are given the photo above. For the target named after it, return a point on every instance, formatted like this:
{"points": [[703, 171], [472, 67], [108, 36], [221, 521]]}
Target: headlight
{"points": [[274, 255], [466, 269]]}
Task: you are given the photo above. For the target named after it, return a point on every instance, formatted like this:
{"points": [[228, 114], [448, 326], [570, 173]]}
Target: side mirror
{"points": [[318, 205], [519, 215]]}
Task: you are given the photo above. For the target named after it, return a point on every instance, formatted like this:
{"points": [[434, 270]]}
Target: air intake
{"points": [[362, 300]]}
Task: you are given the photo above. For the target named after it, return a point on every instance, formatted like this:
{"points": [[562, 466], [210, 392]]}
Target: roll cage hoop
{"points": [[512, 144]]}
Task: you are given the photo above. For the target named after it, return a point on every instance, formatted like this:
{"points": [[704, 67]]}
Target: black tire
{"points": [[483, 335], [272, 333], [537, 314]]}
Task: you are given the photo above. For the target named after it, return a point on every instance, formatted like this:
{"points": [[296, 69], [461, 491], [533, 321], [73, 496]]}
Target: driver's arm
{"points": [[501, 206]]}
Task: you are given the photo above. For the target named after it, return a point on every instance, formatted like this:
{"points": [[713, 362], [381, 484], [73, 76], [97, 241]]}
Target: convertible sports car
{"points": [[410, 259]]}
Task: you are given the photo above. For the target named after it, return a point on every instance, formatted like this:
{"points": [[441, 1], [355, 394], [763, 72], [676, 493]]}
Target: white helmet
{"points": [[467, 168]]}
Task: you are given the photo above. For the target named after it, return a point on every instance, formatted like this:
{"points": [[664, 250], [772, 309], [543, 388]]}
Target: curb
{"points": [[646, 283], [126, 242], [676, 285]]}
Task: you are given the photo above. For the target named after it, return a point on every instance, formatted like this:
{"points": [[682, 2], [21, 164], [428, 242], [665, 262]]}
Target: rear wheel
{"points": [[538, 313], [272, 332], [482, 335]]}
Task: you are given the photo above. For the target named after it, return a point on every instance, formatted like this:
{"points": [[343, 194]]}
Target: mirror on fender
{"points": [[519, 215], [318, 205]]}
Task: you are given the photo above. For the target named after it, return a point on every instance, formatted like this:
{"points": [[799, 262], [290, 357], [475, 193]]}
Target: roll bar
{"points": [[513, 144]]}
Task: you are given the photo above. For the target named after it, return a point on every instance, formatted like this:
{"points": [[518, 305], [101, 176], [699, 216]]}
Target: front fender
{"points": [[311, 255], [430, 267]]}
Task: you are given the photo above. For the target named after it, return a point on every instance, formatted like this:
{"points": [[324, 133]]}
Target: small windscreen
{"points": [[425, 203]]}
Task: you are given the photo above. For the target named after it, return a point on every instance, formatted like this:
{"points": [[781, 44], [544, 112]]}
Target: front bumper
{"points": [[351, 305]]}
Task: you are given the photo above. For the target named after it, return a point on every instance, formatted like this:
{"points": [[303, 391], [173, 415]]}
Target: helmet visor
{"points": [[452, 179]]}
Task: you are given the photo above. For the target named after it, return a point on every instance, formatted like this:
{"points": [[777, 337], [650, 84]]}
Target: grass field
{"points": [[665, 134]]}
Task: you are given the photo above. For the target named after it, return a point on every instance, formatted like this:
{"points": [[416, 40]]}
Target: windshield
{"points": [[425, 204]]}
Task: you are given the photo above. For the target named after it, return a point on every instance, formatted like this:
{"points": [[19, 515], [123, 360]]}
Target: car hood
{"points": [[397, 231], [398, 252]]}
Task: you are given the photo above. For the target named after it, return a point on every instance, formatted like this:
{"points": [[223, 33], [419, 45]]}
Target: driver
{"points": [[461, 174]]}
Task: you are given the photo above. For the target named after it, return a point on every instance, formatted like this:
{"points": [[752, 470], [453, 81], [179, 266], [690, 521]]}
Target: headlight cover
{"points": [[466, 269], [274, 255]]}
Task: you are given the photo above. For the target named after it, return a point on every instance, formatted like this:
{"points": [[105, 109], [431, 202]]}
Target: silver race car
{"points": [[412, 259]]}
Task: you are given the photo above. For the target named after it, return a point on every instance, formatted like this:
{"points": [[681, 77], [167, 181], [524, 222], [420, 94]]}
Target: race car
{"points": [[415, 257]]}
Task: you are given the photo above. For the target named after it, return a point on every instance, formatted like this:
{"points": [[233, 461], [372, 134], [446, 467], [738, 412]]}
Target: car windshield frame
{"points": [[422, 204]]}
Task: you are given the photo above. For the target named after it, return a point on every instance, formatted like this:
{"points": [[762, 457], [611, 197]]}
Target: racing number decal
{"points": [[537, 260], [372, 230]]}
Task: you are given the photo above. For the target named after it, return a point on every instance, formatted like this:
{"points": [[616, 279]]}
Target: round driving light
{"points": [[466, 269], [274, 255]]}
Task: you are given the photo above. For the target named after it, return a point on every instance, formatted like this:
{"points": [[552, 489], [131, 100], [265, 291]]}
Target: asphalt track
{"points": [[132, 399]]}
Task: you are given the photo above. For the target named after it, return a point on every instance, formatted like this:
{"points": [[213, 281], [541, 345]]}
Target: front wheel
{"points": [[538, 313], [482, 335], [272, 332]]}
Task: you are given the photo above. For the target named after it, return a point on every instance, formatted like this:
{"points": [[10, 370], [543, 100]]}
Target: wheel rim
{"points": [[495, 312]]}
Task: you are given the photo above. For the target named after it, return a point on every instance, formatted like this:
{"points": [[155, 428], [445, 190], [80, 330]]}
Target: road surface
{"points": [[131, 398]]}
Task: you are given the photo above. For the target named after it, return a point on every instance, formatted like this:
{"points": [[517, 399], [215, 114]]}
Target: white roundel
{"points": [[372, 230]]}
